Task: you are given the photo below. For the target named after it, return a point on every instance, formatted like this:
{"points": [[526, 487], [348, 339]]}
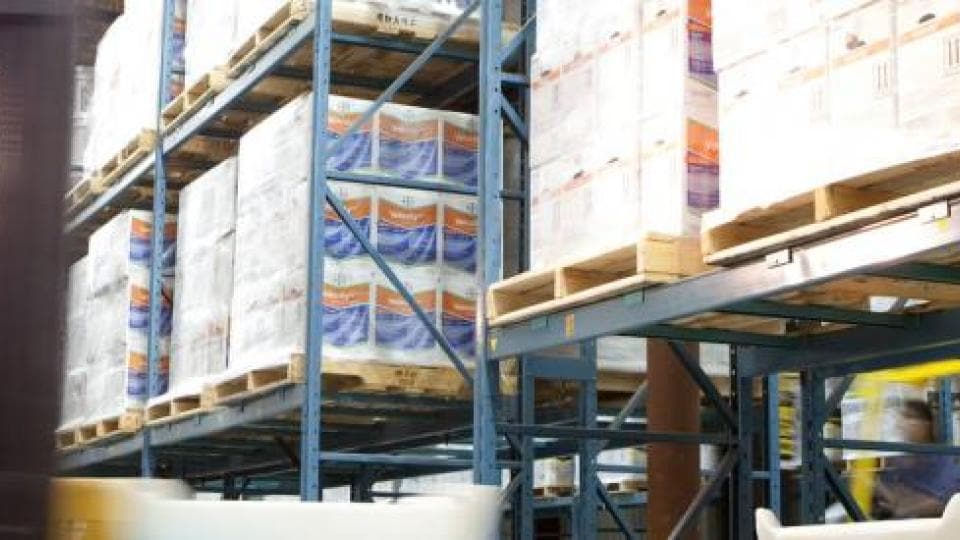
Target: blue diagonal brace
{"points": [[843, 494], [517, 123], [704, 382], [614, 509]]}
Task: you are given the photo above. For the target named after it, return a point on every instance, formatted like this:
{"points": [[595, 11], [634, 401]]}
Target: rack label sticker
{"points": [[569, 325]]}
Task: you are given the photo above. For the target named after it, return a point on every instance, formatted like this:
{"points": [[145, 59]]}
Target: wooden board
{"points": [[67, 439], [192, 99], [731, 237], [79, 195], [653, 260], [547, 492], [173, 409], [627, 486], [131, 154]]}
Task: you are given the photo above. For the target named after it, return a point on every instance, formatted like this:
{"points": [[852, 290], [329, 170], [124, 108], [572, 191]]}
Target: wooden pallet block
{"points": [[192, 99], [548, 492], [67, 439], [138, 148], [173, 409], [86, 433], [731, 237], [655, 259]]}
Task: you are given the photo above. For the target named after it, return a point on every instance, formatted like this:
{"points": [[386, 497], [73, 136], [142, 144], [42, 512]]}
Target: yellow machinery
{"points": [[871, 387]]}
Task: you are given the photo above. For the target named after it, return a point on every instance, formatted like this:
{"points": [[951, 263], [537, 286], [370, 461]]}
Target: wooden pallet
{"points": [[78, 195], [355, 18], [253, 383], [138, 148], [110, 428], [553, 492], [653, 260], [67, 439], [173, 409], [731, 237], [192, 99], [627, 486]]}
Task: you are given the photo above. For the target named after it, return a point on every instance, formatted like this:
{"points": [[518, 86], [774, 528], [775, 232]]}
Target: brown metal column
{"points": [[35, 83], [673, 470]]}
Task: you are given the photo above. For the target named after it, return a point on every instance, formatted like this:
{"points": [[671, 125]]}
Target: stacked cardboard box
{"points": [[623, 137], [107, 320], [813, 92], [428, 238]]}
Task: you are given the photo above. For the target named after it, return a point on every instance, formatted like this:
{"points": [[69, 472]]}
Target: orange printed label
{"points": [[137, 362], [461, 137], [359, 208], [459, 221], [703, 141], [402, 216], [339, 122], [345, 296], [391, 301], [458, 306], [394, 128], [700, 12]]}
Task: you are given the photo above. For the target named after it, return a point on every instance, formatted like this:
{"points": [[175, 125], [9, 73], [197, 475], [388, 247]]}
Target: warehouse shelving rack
{"points": [[245, 449]]}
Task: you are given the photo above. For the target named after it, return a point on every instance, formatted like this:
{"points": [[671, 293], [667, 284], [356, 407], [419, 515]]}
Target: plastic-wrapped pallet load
{"points": [[126, 77], [365, 318], [644, 89], [859, 86], [628, 457], [118, 322], [204, 279], [76, 357]]}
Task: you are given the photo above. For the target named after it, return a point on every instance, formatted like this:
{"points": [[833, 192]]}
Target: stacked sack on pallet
{"points": [[853, 86], [428, 238], [108, 319], [126, 76]]}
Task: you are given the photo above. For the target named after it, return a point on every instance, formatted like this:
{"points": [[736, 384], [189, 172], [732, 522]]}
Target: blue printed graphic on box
{"points": [[460, 154], [397, 325], [356, 152], [346, 315], [340, 242], [407, 235], [409, 149], [137, 375], [459, 239], [139, 311]]}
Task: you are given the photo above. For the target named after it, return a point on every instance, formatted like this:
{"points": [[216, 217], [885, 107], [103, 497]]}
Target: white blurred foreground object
{"points": [[464, 512], [768, 528]]}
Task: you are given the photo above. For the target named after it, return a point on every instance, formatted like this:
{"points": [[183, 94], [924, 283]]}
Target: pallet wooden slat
{"points": [[552, 492], [174, 409], [655, 259], [78, 195], [268, 34], [193, 98], [138, 148], [731, 237]]}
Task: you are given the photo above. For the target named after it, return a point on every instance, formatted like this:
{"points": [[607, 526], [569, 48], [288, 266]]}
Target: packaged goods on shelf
{"points": [[645, 94], [76, 349], [625, 354], [126, 78], [458, 312], [556, 472], [204, 278], [459, 238], [629, 457], [366, 319], [118, 315], [868, 85]]}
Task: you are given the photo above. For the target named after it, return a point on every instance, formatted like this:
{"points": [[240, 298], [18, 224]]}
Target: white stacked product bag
{"points": [[852, 87], [126, 78], [204, 279], [365, 318], [637, 77], [76, 358], [118, 315]]}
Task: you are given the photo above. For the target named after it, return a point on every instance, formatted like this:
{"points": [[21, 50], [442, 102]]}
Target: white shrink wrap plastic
{"points": [[76, 350], [204, 279]]}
